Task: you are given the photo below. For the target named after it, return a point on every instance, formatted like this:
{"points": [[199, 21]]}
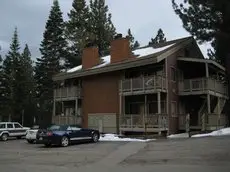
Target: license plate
{"points": [[40, 138]]}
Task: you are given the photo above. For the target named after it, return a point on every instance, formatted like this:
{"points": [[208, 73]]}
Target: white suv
{"points": [[12, 129]]}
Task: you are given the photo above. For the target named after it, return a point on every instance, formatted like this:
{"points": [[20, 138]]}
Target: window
{"points": [[2, 125], [75, 128], [17, 125], [57, 128], [10, 126], [173, 74]]}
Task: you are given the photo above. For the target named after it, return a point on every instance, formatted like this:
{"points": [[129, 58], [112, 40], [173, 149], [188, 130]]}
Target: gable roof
{"points": [[143, 56]]}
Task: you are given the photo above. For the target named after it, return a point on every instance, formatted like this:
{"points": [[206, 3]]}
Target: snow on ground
{"points": [[221, 132], [176, 136], [114, 137]]}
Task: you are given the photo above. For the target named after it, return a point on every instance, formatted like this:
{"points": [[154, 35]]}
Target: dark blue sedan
{"points": [[64, 135]]}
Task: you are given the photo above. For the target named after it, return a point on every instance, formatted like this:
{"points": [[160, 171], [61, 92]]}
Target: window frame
{"points": [[18, 125], [10, 124]]}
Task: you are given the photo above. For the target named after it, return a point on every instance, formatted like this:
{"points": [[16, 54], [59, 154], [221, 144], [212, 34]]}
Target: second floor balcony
{"points": [[203, 86], [144, 84], [70, 92]]}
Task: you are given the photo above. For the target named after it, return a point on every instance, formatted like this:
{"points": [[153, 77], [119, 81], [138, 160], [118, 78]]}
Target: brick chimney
{"points": [[90, 57], [120, 49]]}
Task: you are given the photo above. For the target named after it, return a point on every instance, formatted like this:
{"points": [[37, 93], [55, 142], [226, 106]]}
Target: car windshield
{"points": [[57, 127]]}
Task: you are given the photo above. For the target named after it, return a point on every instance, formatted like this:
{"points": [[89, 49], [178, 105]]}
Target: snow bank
{"points": [[221, 132], [176, 136], [114, 137]]}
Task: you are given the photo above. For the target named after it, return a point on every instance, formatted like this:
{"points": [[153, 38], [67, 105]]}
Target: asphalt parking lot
{"points": [[204, 154]]}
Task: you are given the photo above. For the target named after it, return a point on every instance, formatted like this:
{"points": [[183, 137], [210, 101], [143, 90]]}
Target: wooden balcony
{"points": [[62, 120], [141, 85], [203, 86], [67, 93], [141, 123], [212, 122]]}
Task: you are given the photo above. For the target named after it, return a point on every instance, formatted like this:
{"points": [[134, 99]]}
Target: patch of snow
{"points": [[149, 50], [114, 137], [142, 52], [105, 61], [176, 136], [221, 132], [74, 69]]}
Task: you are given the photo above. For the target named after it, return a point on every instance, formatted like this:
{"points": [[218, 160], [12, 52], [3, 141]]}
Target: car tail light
{"points": [[49, 133]]}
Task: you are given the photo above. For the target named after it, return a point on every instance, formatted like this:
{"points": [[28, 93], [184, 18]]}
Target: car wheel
{"points": [[95, 137], [4, 137], [47, 144], [19, 137], [64, 141], [30, 141]]}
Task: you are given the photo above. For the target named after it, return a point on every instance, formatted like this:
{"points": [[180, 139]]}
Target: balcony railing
{"points": [[143, 83], [142, 121], [63, 120], [203, 84], [211, 121], [67, 92]]}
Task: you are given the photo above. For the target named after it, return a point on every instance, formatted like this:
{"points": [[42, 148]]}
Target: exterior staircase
{"points": [[221, 103]]}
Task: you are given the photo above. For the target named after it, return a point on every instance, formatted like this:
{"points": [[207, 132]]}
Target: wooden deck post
{"points": [[218, 112], [159, 102], [120, 113], [54, 107], [208, 103], [76, 107], [188, 124], [206, 70], [145, 115]]}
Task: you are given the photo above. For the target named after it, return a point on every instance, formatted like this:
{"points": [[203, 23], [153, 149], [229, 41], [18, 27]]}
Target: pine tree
{"points": [[1, 87], [27, 86], [10, 72], [159, 38], [133, 44], [136, 45], [77, 30], [207, 21], [102, 29], [53, 50]]}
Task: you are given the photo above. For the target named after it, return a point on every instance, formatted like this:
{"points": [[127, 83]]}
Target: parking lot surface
{"points": [[204, 154]]}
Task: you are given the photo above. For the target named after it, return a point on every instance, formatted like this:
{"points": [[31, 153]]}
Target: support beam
{"points": [[120, 113], [54, 108], [145, 114], [76, 108], [218, 112], [62, 109], [206, 70], [208, 103], [145, 107], [159, 102]]}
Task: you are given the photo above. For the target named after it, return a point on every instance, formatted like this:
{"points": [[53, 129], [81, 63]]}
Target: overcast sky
{"points": [[144, 18]]}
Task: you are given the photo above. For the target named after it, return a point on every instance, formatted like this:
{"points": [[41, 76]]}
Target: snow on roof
{"points": [[142, 52], [149, 50], [74, 69]]}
